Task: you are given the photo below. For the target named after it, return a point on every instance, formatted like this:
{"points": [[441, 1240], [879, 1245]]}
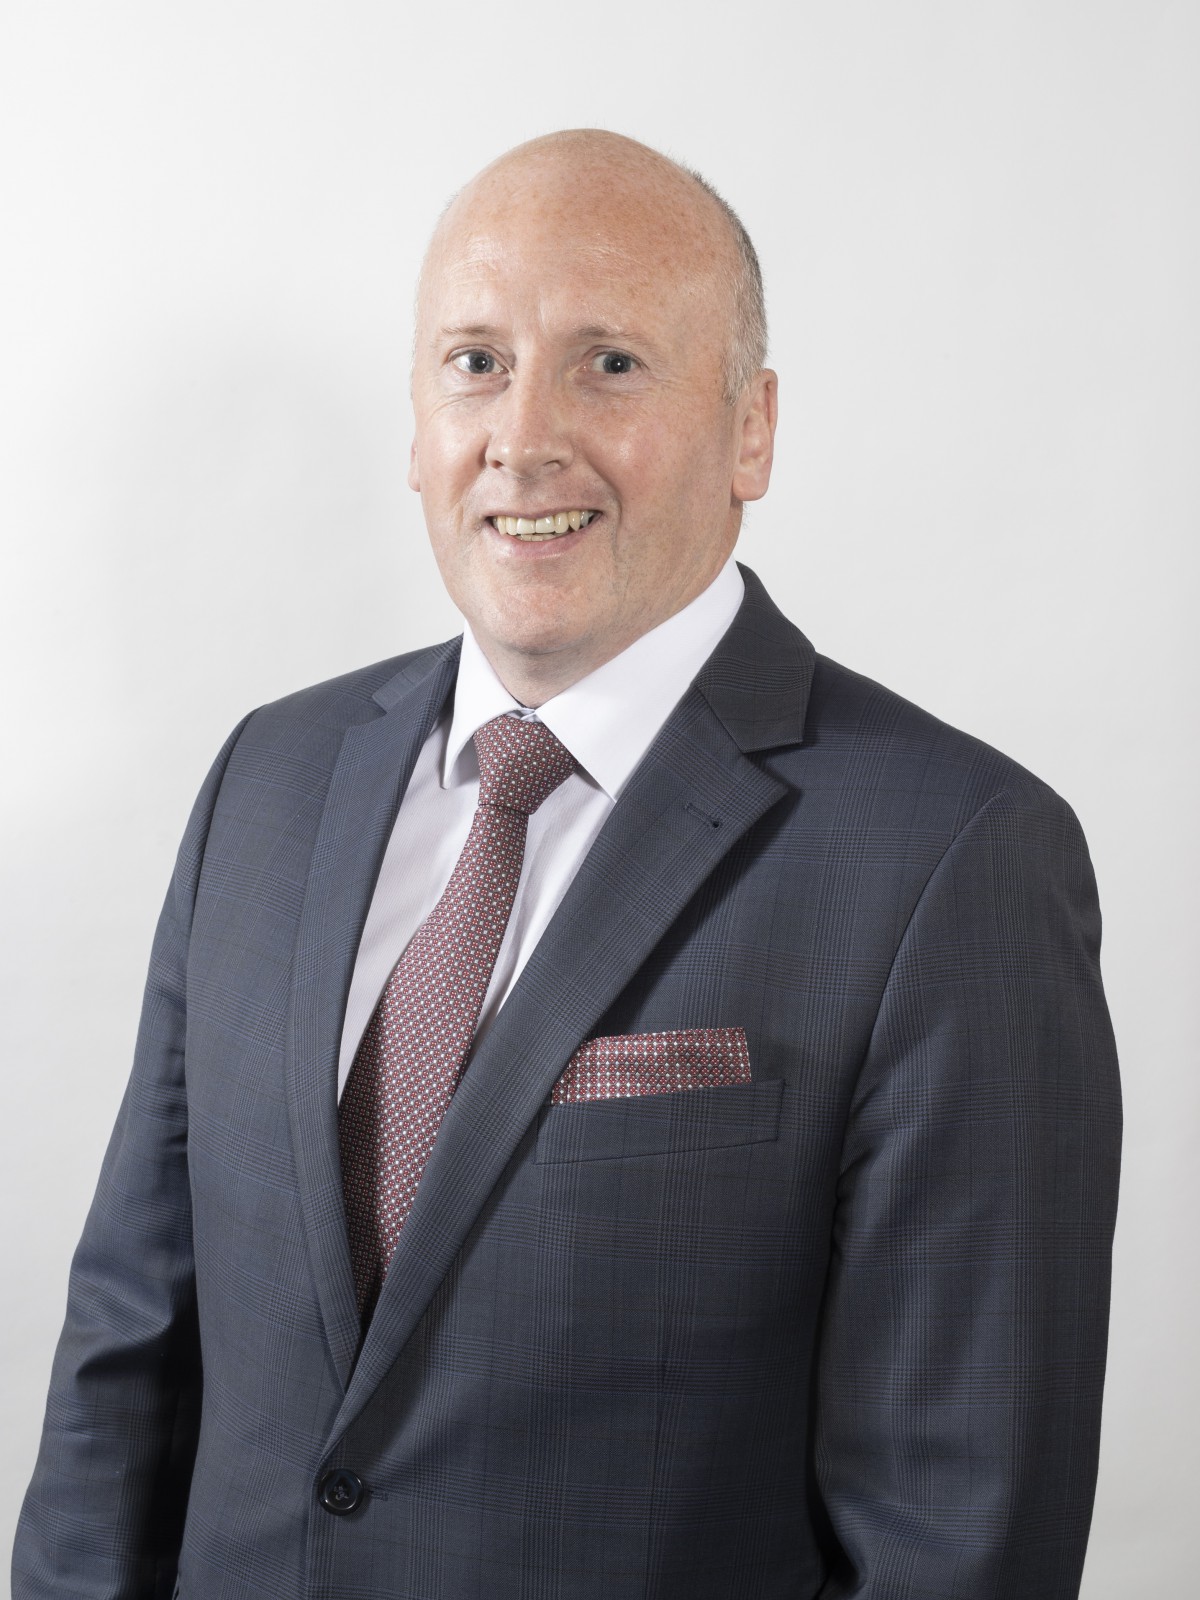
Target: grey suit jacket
{"points": [[838, 1330]]}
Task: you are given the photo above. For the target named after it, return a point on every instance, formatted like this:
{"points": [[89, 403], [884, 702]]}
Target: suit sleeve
{"points": [[104, 1512], [964, 1333]]}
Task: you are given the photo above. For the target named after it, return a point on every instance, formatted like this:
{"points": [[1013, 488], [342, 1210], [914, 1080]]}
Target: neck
{"points": [[534, 676], [532, 680]]}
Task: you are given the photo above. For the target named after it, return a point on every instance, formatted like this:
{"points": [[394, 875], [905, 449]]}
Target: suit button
{"points": [[340, 1492]]}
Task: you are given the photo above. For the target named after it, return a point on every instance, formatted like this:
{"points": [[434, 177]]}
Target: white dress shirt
{"points": [[607, 721]]}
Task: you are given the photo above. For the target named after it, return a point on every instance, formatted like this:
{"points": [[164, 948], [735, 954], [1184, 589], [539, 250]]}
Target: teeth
{"points": [[535, 530]]}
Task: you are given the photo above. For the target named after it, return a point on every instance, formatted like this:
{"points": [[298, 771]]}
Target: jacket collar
{"points": [[757, 680]]}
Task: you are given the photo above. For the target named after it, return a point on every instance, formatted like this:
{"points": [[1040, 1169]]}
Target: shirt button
{"points": [[341, 1492]]}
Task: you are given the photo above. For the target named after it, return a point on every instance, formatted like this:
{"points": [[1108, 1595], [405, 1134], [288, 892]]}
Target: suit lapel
{"points": [[372, 772], [694, 795]]}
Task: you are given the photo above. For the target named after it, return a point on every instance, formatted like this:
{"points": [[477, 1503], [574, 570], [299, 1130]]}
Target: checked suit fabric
{"points": [[413, 1049]]}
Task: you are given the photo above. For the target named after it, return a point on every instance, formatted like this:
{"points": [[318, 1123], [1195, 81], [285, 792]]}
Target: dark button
{"points": [[340, 1491]]}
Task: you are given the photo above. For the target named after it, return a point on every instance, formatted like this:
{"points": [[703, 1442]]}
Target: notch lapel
{"points": [[693, 796], [372, 772]]}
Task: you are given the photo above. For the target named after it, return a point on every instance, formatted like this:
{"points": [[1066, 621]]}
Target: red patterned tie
{"points": [[417, 1040]]}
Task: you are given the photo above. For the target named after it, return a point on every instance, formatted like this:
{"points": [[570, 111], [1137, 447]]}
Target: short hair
{"points": [[746, 352]]}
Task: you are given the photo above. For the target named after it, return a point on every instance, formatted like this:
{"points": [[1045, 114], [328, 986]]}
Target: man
{"points": [[625, 1108]]}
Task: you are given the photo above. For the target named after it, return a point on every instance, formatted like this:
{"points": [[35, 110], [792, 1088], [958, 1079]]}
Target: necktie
{"points": [[414, 1047]]}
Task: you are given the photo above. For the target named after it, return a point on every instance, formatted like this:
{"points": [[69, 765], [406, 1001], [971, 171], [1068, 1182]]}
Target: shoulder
{"points": [[922, 814], [863, 739], [291, 745], [864, 757], [323, 712], [363, 691]]}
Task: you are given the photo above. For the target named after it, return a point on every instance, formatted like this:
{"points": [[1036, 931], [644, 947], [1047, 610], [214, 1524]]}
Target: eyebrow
{"points": [[483, 330], [598, 330], [475, 330]]}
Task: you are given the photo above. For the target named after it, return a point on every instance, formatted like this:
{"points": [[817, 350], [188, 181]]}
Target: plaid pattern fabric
{"points": [[838, 1331]]}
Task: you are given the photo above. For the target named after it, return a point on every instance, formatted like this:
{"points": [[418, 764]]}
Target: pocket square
{"points": [[622, 1064]]}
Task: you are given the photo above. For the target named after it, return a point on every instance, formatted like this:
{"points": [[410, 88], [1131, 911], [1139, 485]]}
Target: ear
{"points": [[759, 409], [414, 476]]}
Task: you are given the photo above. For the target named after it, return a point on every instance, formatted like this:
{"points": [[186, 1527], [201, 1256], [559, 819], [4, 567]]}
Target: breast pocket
{"points": [[660, 1124]]}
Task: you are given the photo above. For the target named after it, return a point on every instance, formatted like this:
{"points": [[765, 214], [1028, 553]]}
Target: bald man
{"points": [[624, 1106]]}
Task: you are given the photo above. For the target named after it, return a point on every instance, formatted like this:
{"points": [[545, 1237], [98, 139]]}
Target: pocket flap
{"points": [[660, 1124]]}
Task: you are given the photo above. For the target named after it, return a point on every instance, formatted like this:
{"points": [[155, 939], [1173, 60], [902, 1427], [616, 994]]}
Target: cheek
{"points": [[643, 461], [677, 468], [448, 451]]}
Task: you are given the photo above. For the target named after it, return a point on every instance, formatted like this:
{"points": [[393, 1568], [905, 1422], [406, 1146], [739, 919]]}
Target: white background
{"points": [[979, 229]]}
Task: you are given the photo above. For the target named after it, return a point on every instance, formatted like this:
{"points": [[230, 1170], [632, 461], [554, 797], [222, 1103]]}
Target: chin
{"points": [[536, 643], [526, 627]]}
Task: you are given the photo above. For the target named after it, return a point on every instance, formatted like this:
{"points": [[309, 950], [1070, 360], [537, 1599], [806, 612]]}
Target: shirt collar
{"points": [[607, 720]]}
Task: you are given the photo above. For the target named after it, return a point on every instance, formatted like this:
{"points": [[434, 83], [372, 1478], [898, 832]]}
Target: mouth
{"points": [[537, 530]]}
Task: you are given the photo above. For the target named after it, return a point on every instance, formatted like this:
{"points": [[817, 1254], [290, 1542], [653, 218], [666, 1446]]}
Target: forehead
{"points": [[604, 248], [531, 281]]}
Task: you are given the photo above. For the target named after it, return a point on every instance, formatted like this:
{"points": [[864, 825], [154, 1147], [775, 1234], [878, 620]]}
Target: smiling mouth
{"points": [[534, 530]]}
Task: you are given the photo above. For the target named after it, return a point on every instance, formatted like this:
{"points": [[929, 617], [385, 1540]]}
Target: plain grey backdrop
{"points": [[980, 235]]}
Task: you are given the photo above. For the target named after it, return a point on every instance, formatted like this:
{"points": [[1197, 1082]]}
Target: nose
{"points": [[530, 432]]}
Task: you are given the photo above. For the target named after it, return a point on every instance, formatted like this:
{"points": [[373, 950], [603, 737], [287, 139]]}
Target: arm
{"points": [[104, 1512], [963, 1343]]}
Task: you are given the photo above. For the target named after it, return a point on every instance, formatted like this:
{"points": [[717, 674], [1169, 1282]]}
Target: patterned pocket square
{"points": [[654, 1063]]}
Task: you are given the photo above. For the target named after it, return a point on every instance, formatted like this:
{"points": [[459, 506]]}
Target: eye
{"points": [[614, 362], [477, 362]]}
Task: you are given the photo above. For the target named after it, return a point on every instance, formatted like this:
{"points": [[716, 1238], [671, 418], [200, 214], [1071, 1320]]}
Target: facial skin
{"points": [[571, 332]]}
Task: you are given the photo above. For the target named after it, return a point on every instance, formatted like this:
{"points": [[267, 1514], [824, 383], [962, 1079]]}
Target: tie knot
{"points": [[520, 764]]}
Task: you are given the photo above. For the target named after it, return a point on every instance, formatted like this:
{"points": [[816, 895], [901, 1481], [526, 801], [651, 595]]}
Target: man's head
{"points": [[589, 339]]}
